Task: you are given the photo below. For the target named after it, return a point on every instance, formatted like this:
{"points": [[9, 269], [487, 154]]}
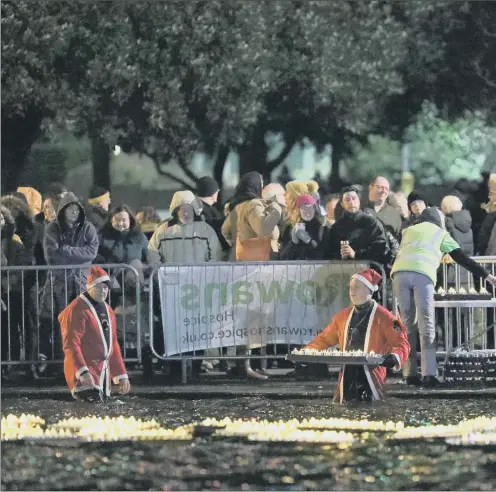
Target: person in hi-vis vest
{"points": [[414, 278]]}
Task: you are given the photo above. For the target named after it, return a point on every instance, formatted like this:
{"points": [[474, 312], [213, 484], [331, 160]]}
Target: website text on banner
{"points": [[224, 305]]}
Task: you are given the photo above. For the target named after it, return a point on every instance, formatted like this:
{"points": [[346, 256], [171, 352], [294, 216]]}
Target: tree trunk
{"points": [[18, 136], [100, 157], [219, 165], [338, 150]]}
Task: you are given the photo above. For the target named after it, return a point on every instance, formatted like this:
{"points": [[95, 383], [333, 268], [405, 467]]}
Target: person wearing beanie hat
{"points": [[416, 203], [414, 275], [207, 191], [98, 206], [207, 187], [92, 355], [369, 327]]}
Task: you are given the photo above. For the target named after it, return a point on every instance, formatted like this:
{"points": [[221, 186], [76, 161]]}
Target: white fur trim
{"points": [[97, 281], [362, 279], [80, 371], [118, 378], [397, 367], [375, 393]]}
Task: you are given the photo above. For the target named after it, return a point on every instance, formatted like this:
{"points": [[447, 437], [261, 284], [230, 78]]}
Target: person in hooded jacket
{"points": [[13, 254], [306, 233], [251, 226], [252, 232], [25, 226], [414, 276], [185, 237], [69, 240]]}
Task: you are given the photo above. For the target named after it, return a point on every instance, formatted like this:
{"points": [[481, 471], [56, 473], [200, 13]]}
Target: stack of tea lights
{"points": [[476, 366], [333, 353]]}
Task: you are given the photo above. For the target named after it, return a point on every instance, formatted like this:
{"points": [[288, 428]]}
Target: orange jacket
{"points": [[385, 334], [85, 347]]}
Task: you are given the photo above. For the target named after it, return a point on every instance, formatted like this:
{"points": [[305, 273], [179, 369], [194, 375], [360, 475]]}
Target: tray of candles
{"points": [[462, 295], [334, 357]]}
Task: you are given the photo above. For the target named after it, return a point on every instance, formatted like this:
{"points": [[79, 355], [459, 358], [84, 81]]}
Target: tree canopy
{"points": [[166, 79]]}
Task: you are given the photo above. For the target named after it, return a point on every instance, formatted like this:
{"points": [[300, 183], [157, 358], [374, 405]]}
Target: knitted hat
{"points": [[415, 197], [206, 186], [297, 188], [305, 200], [370, 278], [181, 197], [97, 276], [97, 195]]}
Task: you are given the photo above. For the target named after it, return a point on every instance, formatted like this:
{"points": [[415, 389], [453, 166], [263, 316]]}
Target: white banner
{"points": [[223, 305]]}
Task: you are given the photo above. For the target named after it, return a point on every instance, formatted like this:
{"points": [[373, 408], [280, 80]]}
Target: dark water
{"points": [[374, 464]]}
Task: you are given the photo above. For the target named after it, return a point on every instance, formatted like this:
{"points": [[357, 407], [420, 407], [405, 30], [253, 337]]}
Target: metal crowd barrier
{"points": [[206, 311], [33, 296], [468, 327]]}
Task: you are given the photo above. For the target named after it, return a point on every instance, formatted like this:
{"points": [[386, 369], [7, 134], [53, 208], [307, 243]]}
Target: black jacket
{"points": [[459, 225], [485, 233], [122, 247], [365, 235], [318, 230], [214, 218], [96, 215]]}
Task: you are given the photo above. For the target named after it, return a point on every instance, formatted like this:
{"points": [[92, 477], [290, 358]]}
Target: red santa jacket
{"points": [[385, 334], [85, 347]]}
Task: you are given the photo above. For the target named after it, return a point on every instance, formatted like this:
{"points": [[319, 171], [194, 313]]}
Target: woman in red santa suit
{"points": [[369, 327], [89, 334]]}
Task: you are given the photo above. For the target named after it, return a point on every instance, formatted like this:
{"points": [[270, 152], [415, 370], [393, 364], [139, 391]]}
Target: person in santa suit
{"points": [[369, 327], [92, 356]]}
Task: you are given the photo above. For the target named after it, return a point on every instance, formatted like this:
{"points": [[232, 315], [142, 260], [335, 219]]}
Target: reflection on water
{"points": [[373, 464]]}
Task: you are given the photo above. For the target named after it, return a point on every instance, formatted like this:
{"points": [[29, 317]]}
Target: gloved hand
{"points": [[389, 361]]}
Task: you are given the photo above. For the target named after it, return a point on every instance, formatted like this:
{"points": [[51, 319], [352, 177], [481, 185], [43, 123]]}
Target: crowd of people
{"points": [[259, 222]]}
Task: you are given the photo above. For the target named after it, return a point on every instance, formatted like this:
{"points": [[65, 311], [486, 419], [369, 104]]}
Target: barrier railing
{"points": [[198, 312], [468, 325], [33, 296]]}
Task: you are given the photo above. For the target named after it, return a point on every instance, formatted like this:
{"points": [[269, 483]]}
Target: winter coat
{"points": [[486, 246], [254, 218], [96, 215], [385, 334], [214, 218], [459, 225], [122, 247], [85, 346], [64, 246], [389, 215], [365, 235], [174, 243], [26, 228], [318, 230], [13, 254]]}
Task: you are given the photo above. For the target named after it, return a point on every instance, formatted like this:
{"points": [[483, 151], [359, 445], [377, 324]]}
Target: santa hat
{"points": [[97, 276], [370, 278], [305, 200]]}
